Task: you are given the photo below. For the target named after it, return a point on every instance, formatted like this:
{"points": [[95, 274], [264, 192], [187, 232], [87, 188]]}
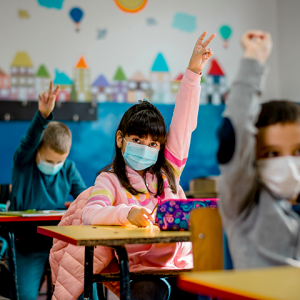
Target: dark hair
{"points": [[275, 111], [143, 119], [58, 137]]}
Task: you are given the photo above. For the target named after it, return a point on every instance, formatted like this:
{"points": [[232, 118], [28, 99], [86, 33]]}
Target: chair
{"points": [[207, 239], [5, 193]]}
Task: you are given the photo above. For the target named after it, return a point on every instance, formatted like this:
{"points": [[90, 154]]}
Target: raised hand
{"points": [[201, 54], [140, 216], [47, 101], [257, 45]]}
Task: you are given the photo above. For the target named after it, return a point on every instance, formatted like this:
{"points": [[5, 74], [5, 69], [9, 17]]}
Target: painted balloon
{"points": [[76, 15], [225, 32]]}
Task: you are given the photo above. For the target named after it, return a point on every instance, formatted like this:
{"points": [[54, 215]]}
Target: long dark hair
{"points": [[143, 119]]}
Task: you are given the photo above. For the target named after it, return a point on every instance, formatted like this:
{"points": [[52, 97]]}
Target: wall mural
{"points": [[24, 82]]}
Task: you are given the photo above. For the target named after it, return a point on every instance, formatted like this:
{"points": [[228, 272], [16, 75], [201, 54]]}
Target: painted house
{"points": [[65, 86], [101, 90], [4, 86], [160, 78], [22, 78], [138, 88], [82, 80], [120, 86], [215, 85], [42, 80]]}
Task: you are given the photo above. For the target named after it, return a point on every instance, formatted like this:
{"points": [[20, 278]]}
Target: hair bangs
{"points": [[147, 122], [278, 112]]}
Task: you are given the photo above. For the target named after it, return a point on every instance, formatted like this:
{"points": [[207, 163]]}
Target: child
{"points": [[42, 179], [148, 164], [259, 149]]}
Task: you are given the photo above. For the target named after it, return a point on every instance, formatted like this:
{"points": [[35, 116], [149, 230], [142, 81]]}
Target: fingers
{"points": [[206, 43], [55, 93], [41, 97], [50, 87], [201, 38], [45, 97]]}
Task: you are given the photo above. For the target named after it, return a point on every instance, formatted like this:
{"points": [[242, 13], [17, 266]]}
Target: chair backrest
{"points": [[207, 239], [5, 193]]}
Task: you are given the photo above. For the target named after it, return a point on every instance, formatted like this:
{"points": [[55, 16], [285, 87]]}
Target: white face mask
{"points": [[281, 175]]}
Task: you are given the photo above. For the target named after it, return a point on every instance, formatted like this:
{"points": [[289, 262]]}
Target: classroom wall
{"points": [[131, 41], [288, 56]]}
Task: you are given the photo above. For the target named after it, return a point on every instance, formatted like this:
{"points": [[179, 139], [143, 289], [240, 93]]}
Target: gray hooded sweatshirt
{"points": [[262, 230]]}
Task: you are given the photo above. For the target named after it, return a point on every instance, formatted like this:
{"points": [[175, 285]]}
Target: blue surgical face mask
{"points": [[139, 157], [48, 168]]}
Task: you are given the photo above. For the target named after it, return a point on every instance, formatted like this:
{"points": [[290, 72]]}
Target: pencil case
{"points": [[174, 214]]}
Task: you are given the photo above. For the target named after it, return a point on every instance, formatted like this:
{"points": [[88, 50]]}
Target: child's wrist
{"points": [[254, 55]]}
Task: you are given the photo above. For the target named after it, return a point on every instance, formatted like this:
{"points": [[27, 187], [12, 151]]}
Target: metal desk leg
{"points": [[124, 273], [13, 265], [88, 273]]}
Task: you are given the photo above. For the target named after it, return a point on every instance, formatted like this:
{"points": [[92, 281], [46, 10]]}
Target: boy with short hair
{"points": [[260, 166], [42, 179]]}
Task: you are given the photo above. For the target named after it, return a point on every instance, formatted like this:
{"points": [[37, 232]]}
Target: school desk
{"points": [[115, 237], [9, 224], [276, 283]]}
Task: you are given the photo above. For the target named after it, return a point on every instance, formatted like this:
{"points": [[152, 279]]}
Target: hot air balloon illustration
{"points": [[225, 32], [76, 15]]}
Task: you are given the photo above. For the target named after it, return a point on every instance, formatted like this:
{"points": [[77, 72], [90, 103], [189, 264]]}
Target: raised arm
{"points": [[30, 141], [237, 134], [185, 114]]}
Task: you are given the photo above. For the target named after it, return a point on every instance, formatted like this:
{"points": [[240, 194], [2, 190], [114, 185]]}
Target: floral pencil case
{"points": [[174, 214]]}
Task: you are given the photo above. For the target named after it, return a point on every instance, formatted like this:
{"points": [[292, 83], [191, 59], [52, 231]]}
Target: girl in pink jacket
{"points": [[147, 165]]}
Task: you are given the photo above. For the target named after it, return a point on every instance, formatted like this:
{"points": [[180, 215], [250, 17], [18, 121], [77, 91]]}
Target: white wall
{"points": [[49, 36], [289, 48]]}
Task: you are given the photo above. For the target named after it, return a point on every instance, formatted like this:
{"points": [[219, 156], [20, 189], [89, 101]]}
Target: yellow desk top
{"points": [[112, 235], [276, 283]]}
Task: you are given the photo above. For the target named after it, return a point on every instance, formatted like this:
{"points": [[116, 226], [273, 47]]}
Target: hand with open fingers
{"points": [[140, 216], [201, 53], [47, 100], [257, 45]]}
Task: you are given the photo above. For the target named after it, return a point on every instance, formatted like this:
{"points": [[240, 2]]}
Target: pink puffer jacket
{"points": [[67, 261], [109, 204]]}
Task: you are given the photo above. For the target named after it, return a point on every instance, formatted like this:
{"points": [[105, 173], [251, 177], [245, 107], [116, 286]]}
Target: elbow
{"points": [[85, 217], [226, 137]]}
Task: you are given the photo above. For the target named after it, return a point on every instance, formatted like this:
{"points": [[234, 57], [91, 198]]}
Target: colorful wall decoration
{"points": [[25, 83], [131, 6], [124, 51]]}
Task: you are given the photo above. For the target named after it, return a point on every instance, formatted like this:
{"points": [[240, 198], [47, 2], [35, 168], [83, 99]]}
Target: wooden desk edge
{"points": [[56, 235], [197, 287], [110, 242]]}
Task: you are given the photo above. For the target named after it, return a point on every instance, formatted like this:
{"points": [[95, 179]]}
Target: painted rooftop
{"points": [[179, 77], [2, 74], [101, 81], [22, 59], [81, 64], [62, 78], [42, 72], [215, 68], [139, 77], [160, 64], [120, 75]]}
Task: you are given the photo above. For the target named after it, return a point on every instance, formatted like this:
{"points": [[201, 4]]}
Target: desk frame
{"points": [[7, 223], [119, 246]]}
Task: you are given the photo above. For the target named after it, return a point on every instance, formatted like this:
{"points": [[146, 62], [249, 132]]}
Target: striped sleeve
{"points": [[100, 208], [184, 122]]}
